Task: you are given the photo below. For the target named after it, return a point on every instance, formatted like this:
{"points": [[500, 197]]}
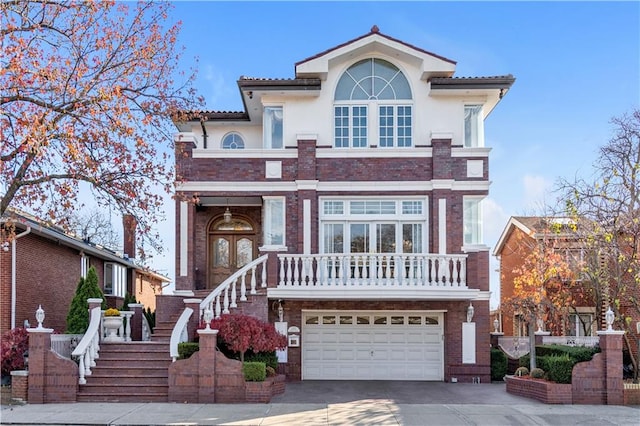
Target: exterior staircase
{"points": [[129, 372]]}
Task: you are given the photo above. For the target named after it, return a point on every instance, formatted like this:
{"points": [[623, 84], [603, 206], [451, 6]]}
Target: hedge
{"points": [[254, 371], [498, 364]]}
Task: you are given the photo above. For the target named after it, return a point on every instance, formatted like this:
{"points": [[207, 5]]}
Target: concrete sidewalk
{"points": [[338, 404]]}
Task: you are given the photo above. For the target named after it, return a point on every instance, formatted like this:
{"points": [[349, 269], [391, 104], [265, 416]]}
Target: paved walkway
{"points": [[339, 403]]}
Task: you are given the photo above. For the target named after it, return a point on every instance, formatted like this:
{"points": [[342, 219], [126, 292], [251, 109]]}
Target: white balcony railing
{"points": [[373, 270]]}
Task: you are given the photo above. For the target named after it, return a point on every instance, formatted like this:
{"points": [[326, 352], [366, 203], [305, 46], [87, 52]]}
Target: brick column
{"points": [[611, 347], [207, 366], [540, 335], [494, 339], [39, 345], [194, 321], [136, 321]]}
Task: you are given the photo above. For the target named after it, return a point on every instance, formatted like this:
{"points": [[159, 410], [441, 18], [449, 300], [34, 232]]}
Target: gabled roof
{"points": [[533, 226], [317, 66], [24, 221]]}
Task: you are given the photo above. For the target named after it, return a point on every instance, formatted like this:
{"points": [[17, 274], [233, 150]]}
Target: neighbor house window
{"points": [[473, 126], [272, 121], [84, 266], [373, 104], [115, 279], [274, 221], [232, 141], [580, 325], [472, 220]]}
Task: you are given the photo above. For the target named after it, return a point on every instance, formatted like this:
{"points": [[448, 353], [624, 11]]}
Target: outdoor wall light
{"points": [[470, 311]]}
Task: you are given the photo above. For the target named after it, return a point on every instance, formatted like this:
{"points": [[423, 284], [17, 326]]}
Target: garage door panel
{"points": [[386, 350]]}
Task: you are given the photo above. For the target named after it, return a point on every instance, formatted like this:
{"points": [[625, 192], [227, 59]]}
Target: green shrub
{"points": [[578, 353], [559, 368], [151, 318], [537, 373], [270, 359], [254, 371], [521, 371], [498, 364], [270, 371], [186, 349], [78, 315]]}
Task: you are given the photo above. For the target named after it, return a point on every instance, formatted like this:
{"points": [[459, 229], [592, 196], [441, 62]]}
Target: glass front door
{"points": [[231, 246]]}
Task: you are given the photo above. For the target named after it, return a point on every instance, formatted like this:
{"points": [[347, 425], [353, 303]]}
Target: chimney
{"points": [[129, 224]]}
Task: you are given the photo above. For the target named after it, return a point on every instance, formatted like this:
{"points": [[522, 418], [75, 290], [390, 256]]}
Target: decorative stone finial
{"points": [[609, 317], [375, 29], [470, 311], [40, 316], [208, 316]]}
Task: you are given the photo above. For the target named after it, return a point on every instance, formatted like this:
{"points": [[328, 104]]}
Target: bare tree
{"points": [[607, 209]]}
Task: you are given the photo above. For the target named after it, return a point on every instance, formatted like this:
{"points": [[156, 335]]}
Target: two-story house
{"points": [[521, 236], [359, 184]]}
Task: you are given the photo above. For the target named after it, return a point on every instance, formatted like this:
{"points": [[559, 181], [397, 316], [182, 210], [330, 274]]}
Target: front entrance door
{"points": [[232, 245]]}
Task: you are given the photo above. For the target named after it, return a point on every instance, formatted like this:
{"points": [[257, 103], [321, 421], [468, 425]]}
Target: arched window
{"points": [[232, 141], [373, 97]]}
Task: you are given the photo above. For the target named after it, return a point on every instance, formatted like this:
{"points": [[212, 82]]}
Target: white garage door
{"points": [[376, 345]]}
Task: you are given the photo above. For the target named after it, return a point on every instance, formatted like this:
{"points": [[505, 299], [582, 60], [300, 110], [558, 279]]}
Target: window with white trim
{"points": [[373, 97], [580, 324], [84, 265], [115, 279], [273, 128], [274, 221], [373, 226], [472, 222], [473, 126], [232, 141]]}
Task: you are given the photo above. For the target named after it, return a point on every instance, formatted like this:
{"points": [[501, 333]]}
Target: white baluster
{"points": [[225, 305], [263, 277], [433, 279], [243, 288], [341, 260], [463, 272], [282, 276], [87, 363], [289, 273], [325, 270], [296, 271], [333, 269], [218, 308], [81, 370], [411, 276], [234, 291], [127, 330], [419, 265], [388, 270], [353, 263]]}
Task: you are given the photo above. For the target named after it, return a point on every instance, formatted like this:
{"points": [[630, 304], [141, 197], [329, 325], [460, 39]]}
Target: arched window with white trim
{"points": [[232, 141], [373, 102]]}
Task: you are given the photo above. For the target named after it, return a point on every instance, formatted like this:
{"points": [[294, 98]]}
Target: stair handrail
{"points": [[223, 308], [89, 347], [178, 333]]}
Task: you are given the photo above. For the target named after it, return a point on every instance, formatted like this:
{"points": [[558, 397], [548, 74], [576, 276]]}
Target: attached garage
{"points": [[372, 345]]}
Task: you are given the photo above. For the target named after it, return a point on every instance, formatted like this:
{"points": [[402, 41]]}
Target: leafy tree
{"points": [[543, 287], [241, 333], [607, 207], [87, 93], [78, 316]]}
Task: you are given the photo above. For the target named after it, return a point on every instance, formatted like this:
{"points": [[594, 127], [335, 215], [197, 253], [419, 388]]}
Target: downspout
{"points": [[204, 133], [13, 276]]}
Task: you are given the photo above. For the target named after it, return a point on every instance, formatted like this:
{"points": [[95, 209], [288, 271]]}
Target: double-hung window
{"points": [[273, 129], [473, 126], [274, 221], [373, 106]]}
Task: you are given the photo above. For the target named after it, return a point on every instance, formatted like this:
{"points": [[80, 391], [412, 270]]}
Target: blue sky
{"points": [[577, 64]]}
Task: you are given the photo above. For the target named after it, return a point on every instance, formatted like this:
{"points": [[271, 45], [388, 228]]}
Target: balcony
{"points": [[364, 276]]}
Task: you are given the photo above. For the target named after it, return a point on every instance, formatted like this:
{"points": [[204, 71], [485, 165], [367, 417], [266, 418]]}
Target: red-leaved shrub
{"points": [[14, 344], [241, 333]]}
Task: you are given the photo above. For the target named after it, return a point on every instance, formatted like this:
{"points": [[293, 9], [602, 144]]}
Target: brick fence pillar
{"points": [[207, 365], [611, 347], [39, 345], [495, 339], [136, 321]]}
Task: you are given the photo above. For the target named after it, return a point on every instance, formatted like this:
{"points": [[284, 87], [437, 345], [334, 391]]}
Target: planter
{"points": [[112, 325], [539, 389]]}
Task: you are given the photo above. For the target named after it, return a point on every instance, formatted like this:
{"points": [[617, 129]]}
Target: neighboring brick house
{"points": [[362, 180], [522, 235], [47, 266]]}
